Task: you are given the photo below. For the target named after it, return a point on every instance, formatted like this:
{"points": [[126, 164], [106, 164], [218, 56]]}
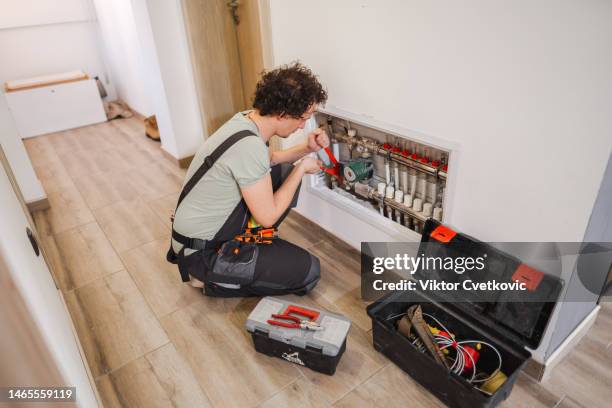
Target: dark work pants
{"points": [[282, 267]]}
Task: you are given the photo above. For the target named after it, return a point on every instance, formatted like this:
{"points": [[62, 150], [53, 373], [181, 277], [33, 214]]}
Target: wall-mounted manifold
{"points": [[403, 179]]}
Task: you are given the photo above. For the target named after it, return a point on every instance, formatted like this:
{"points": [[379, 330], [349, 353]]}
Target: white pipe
{"points": [[417, 205], [413, 182], [387, 172], [408, 200], [336, 150], [432, 189], [421, 187], [389, 192], [396, 178], [404, 176], [437, 214]]}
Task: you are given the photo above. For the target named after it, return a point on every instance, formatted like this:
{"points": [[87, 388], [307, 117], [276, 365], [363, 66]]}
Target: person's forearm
{"points": [[289, 155], [284, 195]]}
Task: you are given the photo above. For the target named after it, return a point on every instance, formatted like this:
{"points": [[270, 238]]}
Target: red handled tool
{"points": [[294, 322], [334, 169]]}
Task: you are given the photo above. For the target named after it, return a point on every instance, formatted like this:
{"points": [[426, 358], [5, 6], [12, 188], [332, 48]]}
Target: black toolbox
{"points": [[319, 350], [502, 319]]}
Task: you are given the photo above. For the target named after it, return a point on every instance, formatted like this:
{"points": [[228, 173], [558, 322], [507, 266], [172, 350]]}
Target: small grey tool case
{"points": [[319, 349]]}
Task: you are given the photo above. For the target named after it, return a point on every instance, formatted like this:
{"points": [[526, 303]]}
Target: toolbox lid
{"points": [[518, 315], [329, 340]]}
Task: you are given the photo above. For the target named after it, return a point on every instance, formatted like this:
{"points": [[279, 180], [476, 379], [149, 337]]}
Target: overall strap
{"points": [[209, 161]]}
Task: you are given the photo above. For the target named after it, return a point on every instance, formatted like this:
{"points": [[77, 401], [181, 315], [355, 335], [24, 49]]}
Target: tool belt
{"points": [[231, 256]]}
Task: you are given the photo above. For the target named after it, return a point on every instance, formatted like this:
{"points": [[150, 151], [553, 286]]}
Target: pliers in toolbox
{"points": [[296, 322]]}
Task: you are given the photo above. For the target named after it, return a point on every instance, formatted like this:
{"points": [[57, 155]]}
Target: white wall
{"points": [[171, 46], [523, 88], [34, 282], [40, 37], [17, 156], [122, 52], [146, 45]]}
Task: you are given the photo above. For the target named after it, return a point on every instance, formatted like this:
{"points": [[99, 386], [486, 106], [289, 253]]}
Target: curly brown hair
{"points": [[289, 90]]}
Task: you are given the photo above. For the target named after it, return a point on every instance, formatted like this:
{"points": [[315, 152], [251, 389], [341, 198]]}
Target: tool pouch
{"points": [[233, 263]]}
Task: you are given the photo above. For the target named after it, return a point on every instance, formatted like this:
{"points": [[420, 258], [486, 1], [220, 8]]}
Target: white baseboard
{"points": [[569, 343]]}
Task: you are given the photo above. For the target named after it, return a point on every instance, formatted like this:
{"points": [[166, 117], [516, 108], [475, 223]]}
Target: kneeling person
{"points": [[235, 185]]}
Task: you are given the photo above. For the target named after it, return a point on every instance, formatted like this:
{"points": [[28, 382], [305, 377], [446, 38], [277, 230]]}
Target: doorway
{"points": [[228, 44]]}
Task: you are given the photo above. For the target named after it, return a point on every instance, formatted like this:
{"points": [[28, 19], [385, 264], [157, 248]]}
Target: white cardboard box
{"points": [[54, 108]]}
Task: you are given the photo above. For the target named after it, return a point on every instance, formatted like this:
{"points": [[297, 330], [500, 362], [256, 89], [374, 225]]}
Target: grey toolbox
{"points": [[319, 350]]}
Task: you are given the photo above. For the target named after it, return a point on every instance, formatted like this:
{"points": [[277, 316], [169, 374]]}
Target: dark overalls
{"points": [[277, 268]]}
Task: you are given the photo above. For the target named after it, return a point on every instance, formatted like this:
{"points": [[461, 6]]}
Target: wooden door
{"points": [[226, 49]]}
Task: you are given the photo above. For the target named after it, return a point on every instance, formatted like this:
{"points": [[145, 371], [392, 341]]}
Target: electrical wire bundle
{"points": [[461, 364], [463, 361]]}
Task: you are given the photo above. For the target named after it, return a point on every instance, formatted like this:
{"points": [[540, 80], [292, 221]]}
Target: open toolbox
{"points": [[318, 345], [479, 338]]}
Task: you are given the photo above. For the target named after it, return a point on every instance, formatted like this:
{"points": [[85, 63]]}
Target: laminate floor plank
{"points": [[300, 394], [340, 283], [137, 156], [133, 130], [91, 138], [165, 206], [84, 255], [102, 189], [161, 379], [67, 210], [528, 393], [155, 181], [569, 402], [115, 138], [210, 335], [584, 375], [390, 387], [114, 322], [40, 150], [65, 141], [158, 280], [128, 224], [86, 162], [53, 177]]}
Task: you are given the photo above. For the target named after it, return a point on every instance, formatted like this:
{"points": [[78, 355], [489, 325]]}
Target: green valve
{"points": [[358, 170]]}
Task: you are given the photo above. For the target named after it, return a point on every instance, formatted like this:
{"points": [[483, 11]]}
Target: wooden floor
{"points": [[152, 341]]}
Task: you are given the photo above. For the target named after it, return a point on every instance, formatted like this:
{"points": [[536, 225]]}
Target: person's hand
{"points": [[317, 140], [310, 165]]}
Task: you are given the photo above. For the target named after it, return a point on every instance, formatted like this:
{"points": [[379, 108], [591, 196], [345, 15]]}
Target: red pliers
{"points": [[296, 322], [334, 169]]}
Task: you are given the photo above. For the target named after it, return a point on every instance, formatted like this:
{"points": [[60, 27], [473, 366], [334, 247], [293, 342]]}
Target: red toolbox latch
{"points": [[443, 234], [529, 276]]}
